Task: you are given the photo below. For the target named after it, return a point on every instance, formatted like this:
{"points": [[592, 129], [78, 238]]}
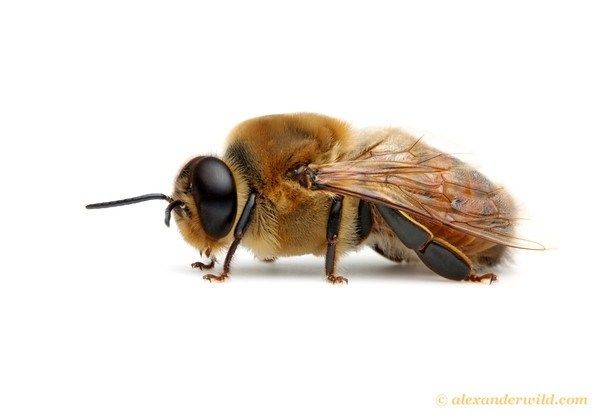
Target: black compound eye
{"points": [[215, 195]]}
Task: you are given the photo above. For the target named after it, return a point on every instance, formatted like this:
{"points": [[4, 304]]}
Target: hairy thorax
{"points": [[289, 219]]}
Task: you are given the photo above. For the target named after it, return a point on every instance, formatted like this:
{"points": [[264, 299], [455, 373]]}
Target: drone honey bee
{"points": [[294, 184]]}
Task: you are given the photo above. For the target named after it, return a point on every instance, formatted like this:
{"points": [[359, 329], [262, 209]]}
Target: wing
{"points": [[408, 175]]}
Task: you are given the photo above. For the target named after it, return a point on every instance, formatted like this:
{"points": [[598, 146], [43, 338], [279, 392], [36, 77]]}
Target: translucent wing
{"points": [[428, 185]]}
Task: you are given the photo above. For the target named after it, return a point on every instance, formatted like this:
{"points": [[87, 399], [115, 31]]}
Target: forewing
{"points": [[427, 184]]}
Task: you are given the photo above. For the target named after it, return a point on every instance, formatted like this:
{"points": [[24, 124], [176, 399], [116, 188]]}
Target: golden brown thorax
{"points": [[288, 219]]}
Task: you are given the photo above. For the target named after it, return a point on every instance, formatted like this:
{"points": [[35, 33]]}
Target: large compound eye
{"points": [[215, 195]]}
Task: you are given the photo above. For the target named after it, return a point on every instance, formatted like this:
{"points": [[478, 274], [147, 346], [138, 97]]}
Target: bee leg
{"points": [[412, 234], [445, 260], [333, 228], [268, 259], [438, 255], [474, 278], [238, 233], [448, 261], [204, 266]]}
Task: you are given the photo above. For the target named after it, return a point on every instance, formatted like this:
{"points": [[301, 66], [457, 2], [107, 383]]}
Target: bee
{"points": [[295, 184]]}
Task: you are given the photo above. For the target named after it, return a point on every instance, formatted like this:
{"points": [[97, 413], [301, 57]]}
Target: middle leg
{"points": [[333, 229]]}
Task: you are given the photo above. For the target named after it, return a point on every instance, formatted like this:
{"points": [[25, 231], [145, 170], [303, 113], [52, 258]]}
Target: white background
{"points": [[100, 311]]}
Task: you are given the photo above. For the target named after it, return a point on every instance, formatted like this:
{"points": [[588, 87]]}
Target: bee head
{"points": [[205, 202]]}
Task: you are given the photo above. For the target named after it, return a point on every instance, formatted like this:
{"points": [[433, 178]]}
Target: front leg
{"points": [[333, 229], [238, 233], [204, 266]]}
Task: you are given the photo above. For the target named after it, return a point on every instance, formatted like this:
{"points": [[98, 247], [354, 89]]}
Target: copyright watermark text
{"points": [[442, 400]]}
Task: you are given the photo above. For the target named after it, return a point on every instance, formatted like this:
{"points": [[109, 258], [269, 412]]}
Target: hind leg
{"points": [[449, 262], [438, 255]]}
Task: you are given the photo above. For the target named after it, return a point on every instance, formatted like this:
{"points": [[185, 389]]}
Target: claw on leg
{"points": [[204, 266], [336, 279], [216, 278], [474, 278]]}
